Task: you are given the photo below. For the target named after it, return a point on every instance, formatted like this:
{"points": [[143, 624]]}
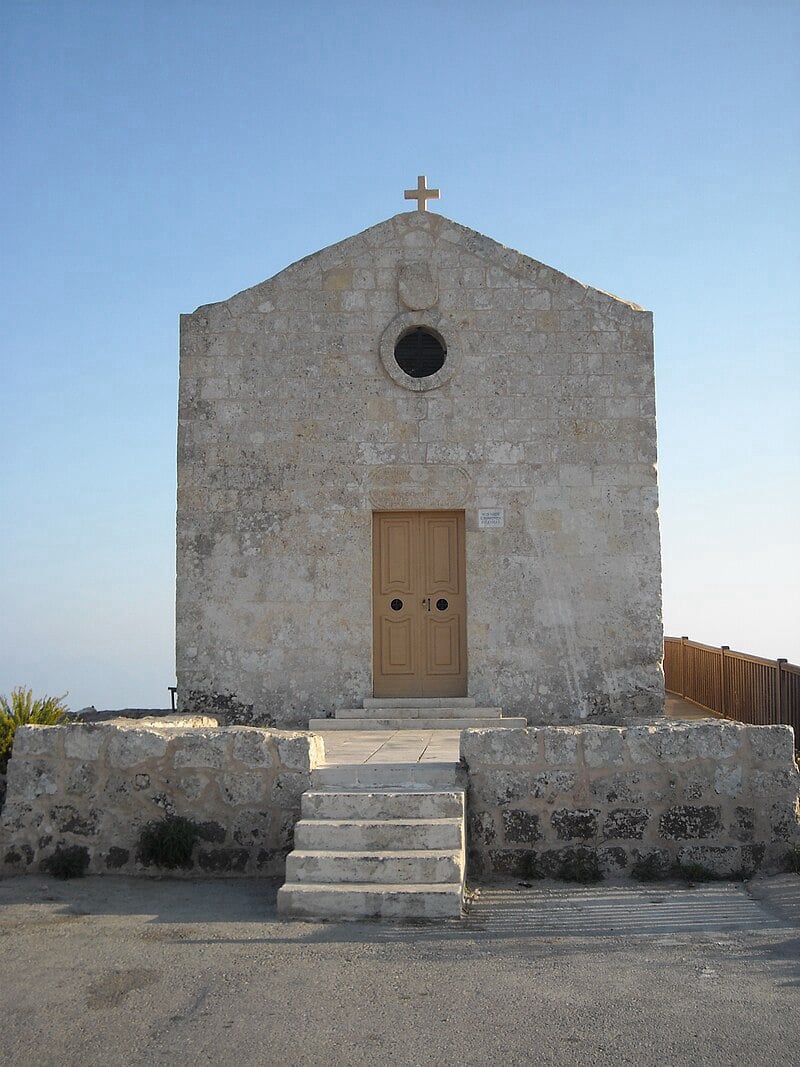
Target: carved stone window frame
{"points": [[438, 324]]}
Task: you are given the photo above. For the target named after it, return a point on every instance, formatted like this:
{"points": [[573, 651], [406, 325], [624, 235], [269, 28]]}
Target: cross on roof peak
{"points": [[422, 193]]}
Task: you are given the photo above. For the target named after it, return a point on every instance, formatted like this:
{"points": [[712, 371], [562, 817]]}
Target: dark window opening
{"points": [[420, 353]]}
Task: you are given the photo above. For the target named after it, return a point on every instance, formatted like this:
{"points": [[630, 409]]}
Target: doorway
{"points": [[419, 604]]}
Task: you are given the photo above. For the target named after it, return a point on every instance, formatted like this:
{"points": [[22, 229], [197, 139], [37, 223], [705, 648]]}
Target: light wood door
{"points": [[419, 604]]}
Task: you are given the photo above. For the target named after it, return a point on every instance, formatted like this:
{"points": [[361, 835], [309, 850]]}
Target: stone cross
{"points": [[421, 194]]}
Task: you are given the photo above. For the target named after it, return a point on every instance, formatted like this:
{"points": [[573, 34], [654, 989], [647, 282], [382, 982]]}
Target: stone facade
{"points": [[718, 795], [296, 423], [96, 786]]}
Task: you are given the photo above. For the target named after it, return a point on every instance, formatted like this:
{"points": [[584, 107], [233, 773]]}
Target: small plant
{"points": [[168, 842], [23, 710], [649, 869], [692, 872], [581, 865], [792, 859], [68, 861]]}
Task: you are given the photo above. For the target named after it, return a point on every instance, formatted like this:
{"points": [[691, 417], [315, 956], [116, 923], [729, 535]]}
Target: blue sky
{"points": [[159, 156]]}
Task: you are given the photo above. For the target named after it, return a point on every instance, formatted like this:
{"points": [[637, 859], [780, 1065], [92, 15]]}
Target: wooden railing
{"points": [[738, 686]]}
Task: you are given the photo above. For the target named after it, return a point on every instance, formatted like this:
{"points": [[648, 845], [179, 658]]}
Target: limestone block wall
{"points": [[721, 795], [295, 424], [95, 786]]}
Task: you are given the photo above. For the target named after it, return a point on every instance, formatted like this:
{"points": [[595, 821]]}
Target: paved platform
{"points": [[437, 746], [395, 746]]}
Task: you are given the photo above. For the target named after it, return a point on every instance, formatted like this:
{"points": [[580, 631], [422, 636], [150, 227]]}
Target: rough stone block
{"points": [[685, 821], [287, 790], [520, 827], [626, 787], [626, 823], [240, 789], [643, 744], [772, 744], [128, 747], [500, 747], [251, 746], [254, 828], [728, 780], [84, 742], [561, 745], [574, 824], [742, 826], [81, 779], [297, 751], [38, 741], [603, 746], [206, 748], [28, 780], [723, 862], [773, 784], [481, 828], [515, 862], [715, 740]]}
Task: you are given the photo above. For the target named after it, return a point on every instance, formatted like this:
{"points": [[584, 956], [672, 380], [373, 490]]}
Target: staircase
{"points": [[378, 841], [433, 713], [384, 837]]}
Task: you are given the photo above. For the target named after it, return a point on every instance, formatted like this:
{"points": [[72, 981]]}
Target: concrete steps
{"points": [[431, 713], [391, 852]]}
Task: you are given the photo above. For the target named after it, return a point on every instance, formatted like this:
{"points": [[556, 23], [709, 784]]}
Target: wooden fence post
{"points": [[683, 666], [779, 689], [722, 686]]}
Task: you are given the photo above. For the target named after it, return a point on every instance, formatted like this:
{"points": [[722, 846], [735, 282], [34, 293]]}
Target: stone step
{"points": [[401, 866], [409, 711], [349, 835], [308, 900], [322, 725], [382, 804], [386, 775], [419, 702]]}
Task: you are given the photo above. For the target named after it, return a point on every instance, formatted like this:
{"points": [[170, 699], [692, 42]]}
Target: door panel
{"points": [[419, 604]]}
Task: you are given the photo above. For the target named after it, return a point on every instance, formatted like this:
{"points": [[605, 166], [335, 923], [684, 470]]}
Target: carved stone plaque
{"points": [[417, 287]]}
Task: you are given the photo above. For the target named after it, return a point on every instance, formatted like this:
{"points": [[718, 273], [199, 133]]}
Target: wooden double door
{"points": [[419, 604]]}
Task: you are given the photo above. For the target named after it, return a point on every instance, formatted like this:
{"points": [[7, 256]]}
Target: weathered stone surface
{"points": [[296, 422], [38, 740], [604, 746], [203, 748], [501, 747], [572, 825], [299, 751], [243, 788], [628, 823], [771, 744], [127, 748], [243, 802], [252, 747], [560, 746], [773, 784], [84, 742], [520, 827], [685, 821], [728, 780]]}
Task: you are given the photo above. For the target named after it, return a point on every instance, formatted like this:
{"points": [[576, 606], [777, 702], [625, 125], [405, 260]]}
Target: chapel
{"points": [[418, 465]]}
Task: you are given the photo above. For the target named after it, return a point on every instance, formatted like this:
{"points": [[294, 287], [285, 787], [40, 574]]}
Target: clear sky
{"points": [[162, 155]]}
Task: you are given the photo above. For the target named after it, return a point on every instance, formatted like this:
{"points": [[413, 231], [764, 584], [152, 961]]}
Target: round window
{"points": [[420, 353]]}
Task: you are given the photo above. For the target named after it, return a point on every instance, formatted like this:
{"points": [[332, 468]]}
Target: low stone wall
{"points": [[96, 786], [635, 799]]}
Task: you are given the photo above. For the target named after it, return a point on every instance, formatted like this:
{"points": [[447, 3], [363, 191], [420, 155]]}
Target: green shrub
{"points": [[580, 865], [23, 710], [649, 869], [693, 872], [68, 861], [168, 842], [793, 859]]}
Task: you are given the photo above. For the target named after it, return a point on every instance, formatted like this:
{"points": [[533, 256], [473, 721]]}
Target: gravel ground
{"points": [[119, 970]]}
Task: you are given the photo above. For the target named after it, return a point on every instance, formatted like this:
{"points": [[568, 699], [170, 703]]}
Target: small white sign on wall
{"points": [[491, 518]]}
